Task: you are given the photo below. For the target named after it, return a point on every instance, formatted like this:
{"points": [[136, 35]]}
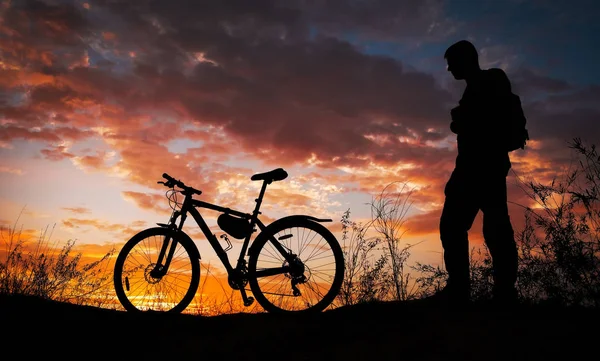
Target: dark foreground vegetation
{"points": [[410, 330]]}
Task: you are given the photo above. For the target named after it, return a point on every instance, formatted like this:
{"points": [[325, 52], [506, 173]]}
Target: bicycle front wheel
{"points": [[310, 282], [141, 284]]}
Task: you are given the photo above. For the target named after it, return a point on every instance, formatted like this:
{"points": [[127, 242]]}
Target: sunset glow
{"points": [[99, 98]]}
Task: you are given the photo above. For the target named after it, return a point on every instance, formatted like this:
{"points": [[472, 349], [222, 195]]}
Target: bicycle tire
{"points": [[137, 290], [294, 234]]}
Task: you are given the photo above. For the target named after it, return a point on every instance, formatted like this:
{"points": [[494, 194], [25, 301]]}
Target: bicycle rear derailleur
{"points": [[297, 280]]}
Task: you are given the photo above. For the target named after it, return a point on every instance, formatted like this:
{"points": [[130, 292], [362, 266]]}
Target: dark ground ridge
{"points": [[376, 331]]}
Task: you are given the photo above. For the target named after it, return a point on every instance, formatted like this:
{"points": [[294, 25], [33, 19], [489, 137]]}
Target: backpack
{"points": [[512, 115], [517, 134]]}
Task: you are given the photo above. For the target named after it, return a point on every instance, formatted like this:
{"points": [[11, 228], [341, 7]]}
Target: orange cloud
{"points": [[147, 201], [78, 210], [108, 35], [57, 153], [83, 224], [11, 170]]}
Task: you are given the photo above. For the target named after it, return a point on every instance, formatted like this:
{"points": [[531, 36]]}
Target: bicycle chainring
{"points": [[238, 279]]}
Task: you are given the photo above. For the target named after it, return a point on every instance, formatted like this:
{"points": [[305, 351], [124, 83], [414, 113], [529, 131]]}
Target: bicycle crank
{"points": [[248, 300]]}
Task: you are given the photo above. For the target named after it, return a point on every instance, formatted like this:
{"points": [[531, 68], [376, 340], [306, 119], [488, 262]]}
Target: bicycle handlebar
{"points": [[171, 182]]}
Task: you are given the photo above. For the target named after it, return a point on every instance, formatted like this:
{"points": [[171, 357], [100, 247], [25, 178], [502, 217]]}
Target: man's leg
{"points": [[457, 218], [499, 237]]}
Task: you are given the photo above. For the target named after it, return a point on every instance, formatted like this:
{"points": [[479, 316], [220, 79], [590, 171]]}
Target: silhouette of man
{"points": [[478, 181]]}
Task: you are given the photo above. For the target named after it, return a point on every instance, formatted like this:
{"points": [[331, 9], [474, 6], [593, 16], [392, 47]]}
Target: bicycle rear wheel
{"points": [[138, 285], [311, 282]]}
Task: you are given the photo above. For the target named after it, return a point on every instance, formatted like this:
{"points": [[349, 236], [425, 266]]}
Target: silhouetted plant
{"points": [[362, 267], [44, 270], [560, 244], [388, 212], [375, 266], [432, 279], [482, 274]]}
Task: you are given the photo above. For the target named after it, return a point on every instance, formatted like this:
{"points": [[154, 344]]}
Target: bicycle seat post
{"points": [[260, 198], [255, 214]]}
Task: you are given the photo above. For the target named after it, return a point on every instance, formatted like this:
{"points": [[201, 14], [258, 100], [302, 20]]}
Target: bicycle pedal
{"points": [[249, 301]]}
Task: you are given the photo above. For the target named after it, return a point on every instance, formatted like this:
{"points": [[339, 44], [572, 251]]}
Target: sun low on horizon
{"points": [[99, 98]]}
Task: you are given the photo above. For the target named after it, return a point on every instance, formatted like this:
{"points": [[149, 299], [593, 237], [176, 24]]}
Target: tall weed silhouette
{"points": [[375, 256], [44, 269], [560, 244]]}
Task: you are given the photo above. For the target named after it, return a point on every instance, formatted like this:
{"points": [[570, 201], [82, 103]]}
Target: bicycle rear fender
{"points": [[265, 232], [184, 238]]}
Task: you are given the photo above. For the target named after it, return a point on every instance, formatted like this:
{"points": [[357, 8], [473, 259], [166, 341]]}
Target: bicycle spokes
{"points": [[304, 280], [148, 285]]}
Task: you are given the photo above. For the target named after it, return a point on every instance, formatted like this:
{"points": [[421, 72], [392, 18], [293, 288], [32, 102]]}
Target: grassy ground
{"points": [[34, 328]]}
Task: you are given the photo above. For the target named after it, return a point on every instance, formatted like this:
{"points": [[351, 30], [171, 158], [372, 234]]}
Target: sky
{"points": [[99, 98]]}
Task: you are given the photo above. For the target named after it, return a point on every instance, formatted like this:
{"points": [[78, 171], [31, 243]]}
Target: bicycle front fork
{"points": [[163, 261]]}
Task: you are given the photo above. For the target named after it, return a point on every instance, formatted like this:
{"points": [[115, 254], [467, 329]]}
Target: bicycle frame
{"points": [[236, 274]]}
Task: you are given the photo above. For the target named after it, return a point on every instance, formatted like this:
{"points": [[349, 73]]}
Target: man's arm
{"points": [[457, 115]]}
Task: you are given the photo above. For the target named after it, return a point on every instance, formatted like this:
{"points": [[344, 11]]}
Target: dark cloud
{"points": [[562, 117], [273, 85], [33, 30], [528, 83], [281, 80], [380, 19]]}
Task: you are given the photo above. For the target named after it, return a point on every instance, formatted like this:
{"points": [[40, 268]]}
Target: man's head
{"points": [[462, 59]]}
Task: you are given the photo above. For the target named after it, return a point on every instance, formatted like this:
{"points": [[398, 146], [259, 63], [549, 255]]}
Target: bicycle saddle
{"points": [[271, 176]]}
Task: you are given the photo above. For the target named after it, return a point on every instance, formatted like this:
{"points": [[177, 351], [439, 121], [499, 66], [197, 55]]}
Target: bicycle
{"points": [[293, 265]]}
